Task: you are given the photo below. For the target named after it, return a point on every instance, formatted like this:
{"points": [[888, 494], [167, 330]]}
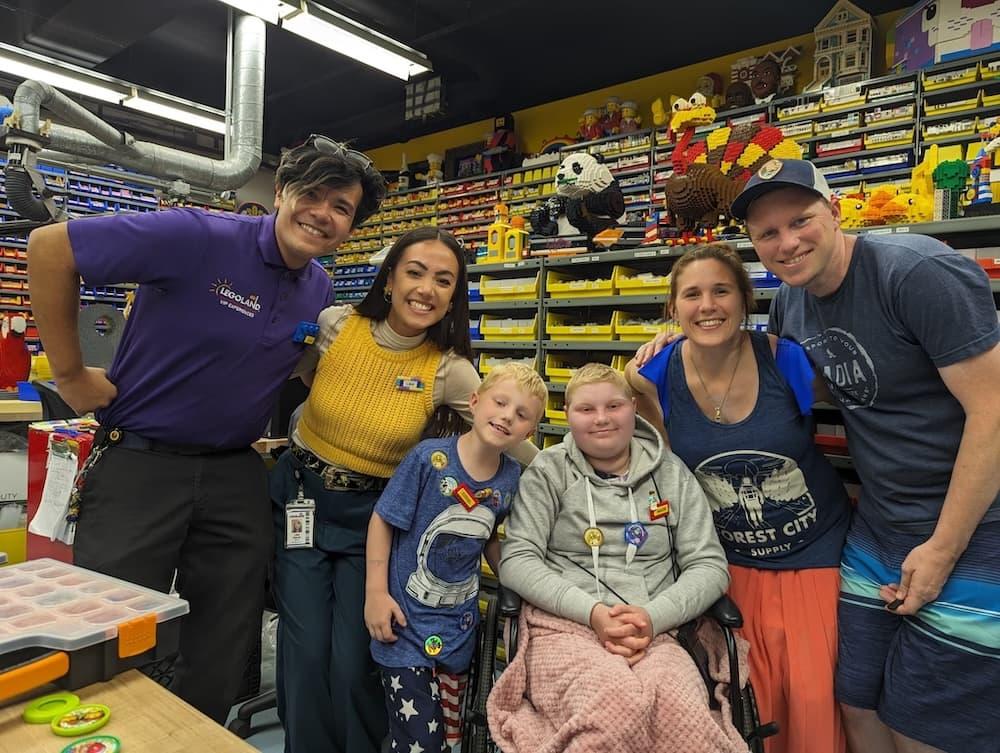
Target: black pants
{"points": [[144, 515]]}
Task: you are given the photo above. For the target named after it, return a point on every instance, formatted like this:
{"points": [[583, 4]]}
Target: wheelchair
{"points": [[506, 605]]}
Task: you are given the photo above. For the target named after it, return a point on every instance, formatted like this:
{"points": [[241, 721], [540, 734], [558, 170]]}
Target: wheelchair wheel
{"points": [[476, 734], [749, 717]]}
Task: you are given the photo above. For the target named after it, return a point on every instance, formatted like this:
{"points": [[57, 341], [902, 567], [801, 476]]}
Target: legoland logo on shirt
{"points": [[248, 305]]}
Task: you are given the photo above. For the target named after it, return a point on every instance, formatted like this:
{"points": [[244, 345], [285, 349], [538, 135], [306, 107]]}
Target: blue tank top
{"points": [[777, 503]]}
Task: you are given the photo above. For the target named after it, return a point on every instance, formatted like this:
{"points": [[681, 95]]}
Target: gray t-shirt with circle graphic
{"points": [[908, 306]]}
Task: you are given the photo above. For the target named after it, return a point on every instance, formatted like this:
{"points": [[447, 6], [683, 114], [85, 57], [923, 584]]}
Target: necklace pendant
{"points": [[718, 414]]}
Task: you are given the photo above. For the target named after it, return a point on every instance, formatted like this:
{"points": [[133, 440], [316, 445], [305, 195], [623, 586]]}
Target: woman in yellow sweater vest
{"points": [[386, 371]]}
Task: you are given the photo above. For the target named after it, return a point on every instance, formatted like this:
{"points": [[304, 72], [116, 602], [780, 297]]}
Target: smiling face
{"points": [[314, 223], [421, 286], [504, 414], [797, 236], [602, 419], [709, 305]]}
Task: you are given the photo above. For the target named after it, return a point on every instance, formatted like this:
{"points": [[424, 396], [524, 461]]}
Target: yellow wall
{"points": [[536, 124]]}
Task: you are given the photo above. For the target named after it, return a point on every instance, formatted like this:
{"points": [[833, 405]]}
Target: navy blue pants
{"points": [[329, 694]]}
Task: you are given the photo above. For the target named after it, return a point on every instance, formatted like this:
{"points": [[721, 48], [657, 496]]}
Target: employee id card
{"points": [[299, 515]]}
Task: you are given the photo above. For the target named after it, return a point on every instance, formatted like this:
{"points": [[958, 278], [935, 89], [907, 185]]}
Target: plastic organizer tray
{"points": [[568, 327], [562, 285], [555, 410], [631, 328], [504, 328], [629, 281], [489, 361], [59, 622], [509, 288]]}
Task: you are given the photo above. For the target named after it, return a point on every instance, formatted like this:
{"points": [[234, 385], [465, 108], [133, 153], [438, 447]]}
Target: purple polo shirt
{"points": [[208, 344]]}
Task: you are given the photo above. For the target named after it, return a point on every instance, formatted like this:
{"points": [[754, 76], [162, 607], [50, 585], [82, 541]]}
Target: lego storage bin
{"points": [[629, 327], [507, 329], [60, 623], [489, 361], [562, 285], [555, 409], [560, 368], [633, 282], [568, 327], [509, 288]]}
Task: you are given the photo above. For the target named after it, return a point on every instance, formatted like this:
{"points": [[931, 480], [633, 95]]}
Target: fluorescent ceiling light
{"points": [[161, 109], [339, 33], [19, 68], [18, 63]]}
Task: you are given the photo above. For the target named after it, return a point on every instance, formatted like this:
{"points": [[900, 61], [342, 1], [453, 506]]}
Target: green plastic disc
{"points": [[43, 710], [82, 720], [95, 744]]}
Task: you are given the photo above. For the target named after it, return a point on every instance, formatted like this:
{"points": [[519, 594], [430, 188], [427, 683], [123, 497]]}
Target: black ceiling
{"points": [[494, 57]]}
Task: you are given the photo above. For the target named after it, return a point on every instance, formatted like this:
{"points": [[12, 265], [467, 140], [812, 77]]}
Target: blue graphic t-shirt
{"points": [[443, 519], [777, 503], [908, 307]]}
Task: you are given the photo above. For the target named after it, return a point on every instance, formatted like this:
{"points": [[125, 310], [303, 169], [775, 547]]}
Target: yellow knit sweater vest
{"points": [[356, 417]]}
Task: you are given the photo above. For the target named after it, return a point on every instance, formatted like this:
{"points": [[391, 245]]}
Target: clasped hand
{"points": [[623, 629]]}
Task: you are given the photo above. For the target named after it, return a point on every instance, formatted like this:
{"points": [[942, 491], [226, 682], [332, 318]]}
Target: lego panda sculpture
{"points": [[594, 200]]}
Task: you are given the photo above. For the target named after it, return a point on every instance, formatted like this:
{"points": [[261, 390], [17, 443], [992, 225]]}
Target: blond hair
{"points": [[594, 373], [525, 377]]}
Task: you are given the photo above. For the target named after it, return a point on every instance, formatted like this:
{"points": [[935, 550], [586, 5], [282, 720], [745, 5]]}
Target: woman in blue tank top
{"points": [[735, 406]]}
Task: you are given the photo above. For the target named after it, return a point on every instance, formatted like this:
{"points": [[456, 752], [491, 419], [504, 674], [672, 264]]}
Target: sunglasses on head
{"points": [[328, 146]]}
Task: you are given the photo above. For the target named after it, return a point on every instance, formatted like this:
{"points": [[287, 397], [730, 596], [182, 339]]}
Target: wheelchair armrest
{"points": [[725, 612], [510, 602]]}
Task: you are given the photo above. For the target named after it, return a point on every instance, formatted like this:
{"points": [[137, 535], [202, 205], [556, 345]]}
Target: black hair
{"points": [[451, 333], [305, 168]]}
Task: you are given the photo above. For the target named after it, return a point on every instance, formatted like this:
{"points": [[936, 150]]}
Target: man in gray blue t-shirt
{"points": [[904, 331]]}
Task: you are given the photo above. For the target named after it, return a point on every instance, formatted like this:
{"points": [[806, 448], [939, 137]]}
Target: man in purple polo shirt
{"points": [[173, 484]]}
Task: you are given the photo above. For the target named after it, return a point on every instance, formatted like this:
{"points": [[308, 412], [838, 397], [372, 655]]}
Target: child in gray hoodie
{"points": [[611, 531]]}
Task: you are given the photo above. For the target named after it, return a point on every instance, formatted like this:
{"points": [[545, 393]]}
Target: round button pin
{"points": [[593, 537], [433, 645], [81, 720], [43, 710]]}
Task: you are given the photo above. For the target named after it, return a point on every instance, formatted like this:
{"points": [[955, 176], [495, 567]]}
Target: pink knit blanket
{"points": [[564, 693]]}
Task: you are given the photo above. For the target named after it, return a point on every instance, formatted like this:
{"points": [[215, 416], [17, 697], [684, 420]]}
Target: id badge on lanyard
{"points": [[299, 517]]}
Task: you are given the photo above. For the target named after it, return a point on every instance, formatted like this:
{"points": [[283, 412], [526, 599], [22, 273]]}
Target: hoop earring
{"points": [[387, 295]]}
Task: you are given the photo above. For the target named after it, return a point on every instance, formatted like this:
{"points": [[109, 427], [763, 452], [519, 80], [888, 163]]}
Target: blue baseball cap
{"points": [[779, 173]]}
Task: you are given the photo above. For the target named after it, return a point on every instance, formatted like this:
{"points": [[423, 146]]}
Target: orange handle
{"points": [[34, 674]]}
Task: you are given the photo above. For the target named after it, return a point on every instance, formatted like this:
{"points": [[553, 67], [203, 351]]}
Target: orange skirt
{"points": [[790, 621]]}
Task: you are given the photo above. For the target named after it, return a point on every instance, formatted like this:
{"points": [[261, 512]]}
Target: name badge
{"points": [[306, 333], [299, 516], [409, 384], [659, 509]]}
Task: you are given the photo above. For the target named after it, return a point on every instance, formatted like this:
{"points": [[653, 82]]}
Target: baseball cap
{"points": [[779, 173]]}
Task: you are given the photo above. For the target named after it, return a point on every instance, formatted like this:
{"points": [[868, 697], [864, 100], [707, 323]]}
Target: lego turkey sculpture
{"points": [[708, 174]]}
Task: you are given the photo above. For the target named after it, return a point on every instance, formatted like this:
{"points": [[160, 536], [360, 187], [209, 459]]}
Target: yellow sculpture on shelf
{"points": [[496, 234]]}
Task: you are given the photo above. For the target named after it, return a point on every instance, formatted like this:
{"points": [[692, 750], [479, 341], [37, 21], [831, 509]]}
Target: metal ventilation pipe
{"points": [[93, 139]]}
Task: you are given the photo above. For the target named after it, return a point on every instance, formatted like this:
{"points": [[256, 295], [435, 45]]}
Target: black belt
{"points": [[116, 437], [338, 479]]}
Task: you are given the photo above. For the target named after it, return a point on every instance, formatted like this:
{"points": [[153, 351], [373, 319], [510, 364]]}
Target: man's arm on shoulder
{"points": [[54, 283], [974, 484]]}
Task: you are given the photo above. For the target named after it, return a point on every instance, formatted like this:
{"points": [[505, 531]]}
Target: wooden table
{"points": [[20, 410], [144, 716]]}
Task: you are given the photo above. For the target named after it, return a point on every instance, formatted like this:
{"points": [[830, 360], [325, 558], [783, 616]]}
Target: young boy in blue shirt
{"points": [[427, 535]]}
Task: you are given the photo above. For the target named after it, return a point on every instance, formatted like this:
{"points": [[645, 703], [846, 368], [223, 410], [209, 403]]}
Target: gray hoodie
{"points": [[550, 514]]}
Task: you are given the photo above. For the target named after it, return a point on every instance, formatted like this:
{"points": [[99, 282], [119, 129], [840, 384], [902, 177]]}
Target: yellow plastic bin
{"points": [[567, 327], [628, 281], [562, 285], [505, 328], [629, 327], [509, 288]]}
